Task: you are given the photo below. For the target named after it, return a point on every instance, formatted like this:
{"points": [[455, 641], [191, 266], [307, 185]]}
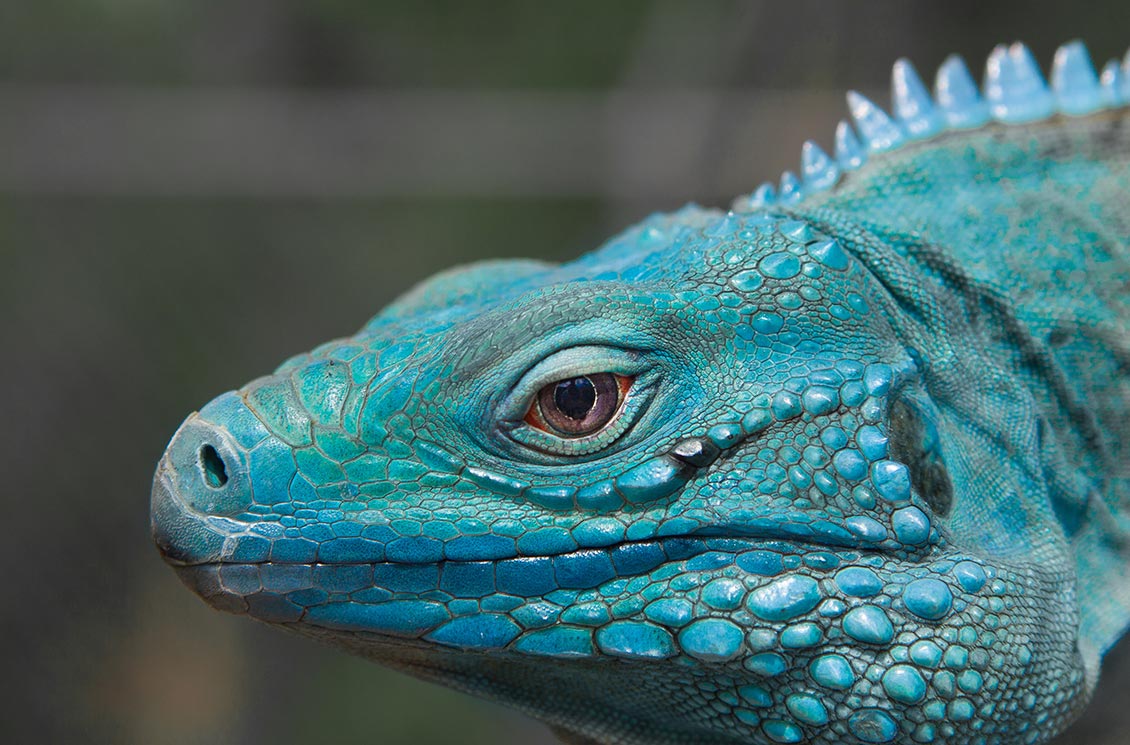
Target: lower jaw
{"points": [[635, 600], [992, 658], [745, 699]]}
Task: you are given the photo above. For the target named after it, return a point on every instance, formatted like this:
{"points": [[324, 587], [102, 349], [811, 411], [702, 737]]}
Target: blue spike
{"points": [[819, 171], [791, 191], [957, 95], [876, 129], [1111, 82], [762, 197], [724, 226], [1014, 87], [912, 103], [765, 195], [1074, 81], [849, 153]]}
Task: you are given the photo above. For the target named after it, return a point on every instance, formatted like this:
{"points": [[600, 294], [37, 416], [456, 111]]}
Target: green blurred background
{"points": [[193, 190]]}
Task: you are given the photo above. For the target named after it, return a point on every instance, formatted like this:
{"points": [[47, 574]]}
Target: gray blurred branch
{"points": [[637, 144]]}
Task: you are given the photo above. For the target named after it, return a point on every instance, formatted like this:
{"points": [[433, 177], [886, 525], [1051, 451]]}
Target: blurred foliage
{"points": [[127, 314], [511, 43], [328, 42]]}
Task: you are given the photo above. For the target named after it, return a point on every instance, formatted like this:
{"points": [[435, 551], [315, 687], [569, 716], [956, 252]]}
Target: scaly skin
{"points": [[867, 481]]}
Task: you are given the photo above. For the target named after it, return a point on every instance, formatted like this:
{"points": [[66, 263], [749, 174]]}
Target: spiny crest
{"points": [[1014, 93]]}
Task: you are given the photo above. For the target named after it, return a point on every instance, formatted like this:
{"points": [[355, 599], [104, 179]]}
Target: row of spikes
{"points": [[1014, 93]]}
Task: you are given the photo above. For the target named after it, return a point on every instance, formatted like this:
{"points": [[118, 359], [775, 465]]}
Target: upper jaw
{"points": [[188, 532], [183, 537], [187, 537]]}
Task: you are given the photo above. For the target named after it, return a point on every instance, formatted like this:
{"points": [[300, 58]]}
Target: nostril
{"points": [[205, 469], [213, 468]]}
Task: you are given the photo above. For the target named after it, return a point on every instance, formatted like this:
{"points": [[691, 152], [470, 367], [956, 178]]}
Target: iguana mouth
{"points": [[766, 587], [657, 551], [227, 584]]}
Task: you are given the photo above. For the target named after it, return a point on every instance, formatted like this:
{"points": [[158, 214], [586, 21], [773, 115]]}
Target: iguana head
{"points": [[709, 483]]}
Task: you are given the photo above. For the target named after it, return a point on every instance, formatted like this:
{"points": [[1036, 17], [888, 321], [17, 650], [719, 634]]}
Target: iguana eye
{"points": [[579, 406], [576, 403]]}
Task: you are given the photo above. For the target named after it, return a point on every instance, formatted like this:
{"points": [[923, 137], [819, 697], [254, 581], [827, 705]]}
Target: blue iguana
{"points": [[846, 463]]}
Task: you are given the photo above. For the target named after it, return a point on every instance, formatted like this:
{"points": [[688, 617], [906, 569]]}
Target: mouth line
{"points": [[629, 558]]}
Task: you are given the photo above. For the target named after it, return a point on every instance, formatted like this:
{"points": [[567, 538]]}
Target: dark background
{"points": [[191, 191]]}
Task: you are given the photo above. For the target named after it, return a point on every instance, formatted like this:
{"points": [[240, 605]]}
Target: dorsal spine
{"points": [[1014, 92]]}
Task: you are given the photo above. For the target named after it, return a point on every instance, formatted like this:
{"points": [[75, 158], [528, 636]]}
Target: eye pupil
{"points": [[579, 406], [575, 398]]}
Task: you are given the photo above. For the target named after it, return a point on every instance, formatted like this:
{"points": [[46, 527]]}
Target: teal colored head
{"points": [[756, 476], [703, 442]]}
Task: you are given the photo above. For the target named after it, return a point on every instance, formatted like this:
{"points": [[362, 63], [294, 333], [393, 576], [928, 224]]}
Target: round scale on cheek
{"points": [[928, 598], [783, 732], [904, 684], [807, 709], [712, 639], [832, 671], [868, 624], [785, 598], [873, 726], [859, 582]]}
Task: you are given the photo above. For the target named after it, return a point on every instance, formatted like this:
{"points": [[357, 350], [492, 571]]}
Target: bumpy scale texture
{"points": [[865, 480]]}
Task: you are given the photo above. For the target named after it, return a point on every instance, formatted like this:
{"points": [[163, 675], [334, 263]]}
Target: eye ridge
{"points": [[578, 406]]}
